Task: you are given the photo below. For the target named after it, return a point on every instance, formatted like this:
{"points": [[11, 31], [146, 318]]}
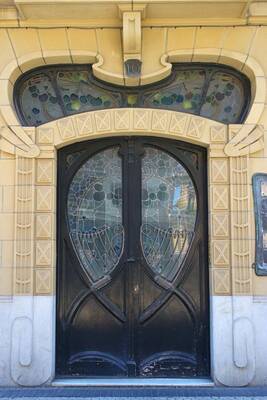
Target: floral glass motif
{"points": [[209, 90], [95, 213], [79, 95], [222, 101], [169, 209], [41, 104], [260, 204], [183, 94]]}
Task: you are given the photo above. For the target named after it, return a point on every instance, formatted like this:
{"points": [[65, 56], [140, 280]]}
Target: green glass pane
{"points": [[39, 100], [183, 94], [225, 98], [79, 95]]}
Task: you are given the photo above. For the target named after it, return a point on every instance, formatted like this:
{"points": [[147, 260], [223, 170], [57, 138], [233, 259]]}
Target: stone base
{"points": [[27, 340], [238, 340]]}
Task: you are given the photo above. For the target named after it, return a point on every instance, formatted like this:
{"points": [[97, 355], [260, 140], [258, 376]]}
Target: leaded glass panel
{"points": [[222, 101], [40, 101], [210, 90], [95, 213], [183, 94], [169, 209], [78, 95]]}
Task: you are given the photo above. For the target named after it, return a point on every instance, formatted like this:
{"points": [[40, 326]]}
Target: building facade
{"points": [[133, 190]]}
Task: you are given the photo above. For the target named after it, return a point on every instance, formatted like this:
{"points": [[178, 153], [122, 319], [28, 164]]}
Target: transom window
{"points": [[209, 90]]}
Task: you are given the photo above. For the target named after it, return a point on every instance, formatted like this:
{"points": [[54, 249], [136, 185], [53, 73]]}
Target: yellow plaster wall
{"points": [[25, 48], [7, 213]]}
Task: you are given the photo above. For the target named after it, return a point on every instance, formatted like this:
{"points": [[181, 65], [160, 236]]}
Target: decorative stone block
{"points": [[218, 134], [44, 198], [43, 252], [160, 120], [66, 128], [142, 120], [84, 124], [221, 281], [219, 170], [44, 171], [220, 252], [196, 127], [220, 197], [43, 226], [122, 120], [45, 135], [43, 281], [220, 225], [179, 123], [103, 121]]}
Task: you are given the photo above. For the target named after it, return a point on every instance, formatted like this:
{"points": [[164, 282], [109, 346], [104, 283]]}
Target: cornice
{"points": [[89, 13]]}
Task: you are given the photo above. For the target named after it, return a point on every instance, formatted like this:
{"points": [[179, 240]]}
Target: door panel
{"points": [[132, 286]]}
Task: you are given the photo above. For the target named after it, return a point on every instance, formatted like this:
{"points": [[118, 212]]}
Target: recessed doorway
{"points": [[132, 268]]}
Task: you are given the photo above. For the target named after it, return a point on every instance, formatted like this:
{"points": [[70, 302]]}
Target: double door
{"points": [[132, 282]]}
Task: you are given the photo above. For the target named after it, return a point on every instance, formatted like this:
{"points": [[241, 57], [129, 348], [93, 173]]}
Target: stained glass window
{"points": [[95, 213], [210, 90], [169, 208], [41, 103], [183, 94], [260, 205], [222, 101]]}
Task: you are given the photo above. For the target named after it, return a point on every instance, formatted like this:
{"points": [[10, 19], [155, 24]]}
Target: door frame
{"points": [[231, 275], [193, 170]]}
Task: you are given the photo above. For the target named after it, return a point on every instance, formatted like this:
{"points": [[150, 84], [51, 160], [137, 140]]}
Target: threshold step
{"points": [[153, 382]]}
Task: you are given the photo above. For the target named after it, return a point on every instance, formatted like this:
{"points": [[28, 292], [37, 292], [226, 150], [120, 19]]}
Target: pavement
{"points": [[130, 393]]}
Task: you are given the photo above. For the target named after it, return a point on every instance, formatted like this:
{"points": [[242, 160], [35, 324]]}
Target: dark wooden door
{"points": [[132, 282]]}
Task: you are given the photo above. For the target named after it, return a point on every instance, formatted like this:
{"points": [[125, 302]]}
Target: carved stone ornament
{"points": [[244, 139], [247, 139], [16, 140]]}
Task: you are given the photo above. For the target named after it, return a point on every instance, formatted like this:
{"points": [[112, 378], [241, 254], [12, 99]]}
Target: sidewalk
{"points": [[112, 393]]}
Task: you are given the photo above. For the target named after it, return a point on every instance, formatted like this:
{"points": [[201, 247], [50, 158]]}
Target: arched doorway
{"points": [[132, 287]]}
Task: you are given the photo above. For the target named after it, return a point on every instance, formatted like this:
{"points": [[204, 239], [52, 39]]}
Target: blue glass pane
{"points": [[39, 100], [225, 98]]}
